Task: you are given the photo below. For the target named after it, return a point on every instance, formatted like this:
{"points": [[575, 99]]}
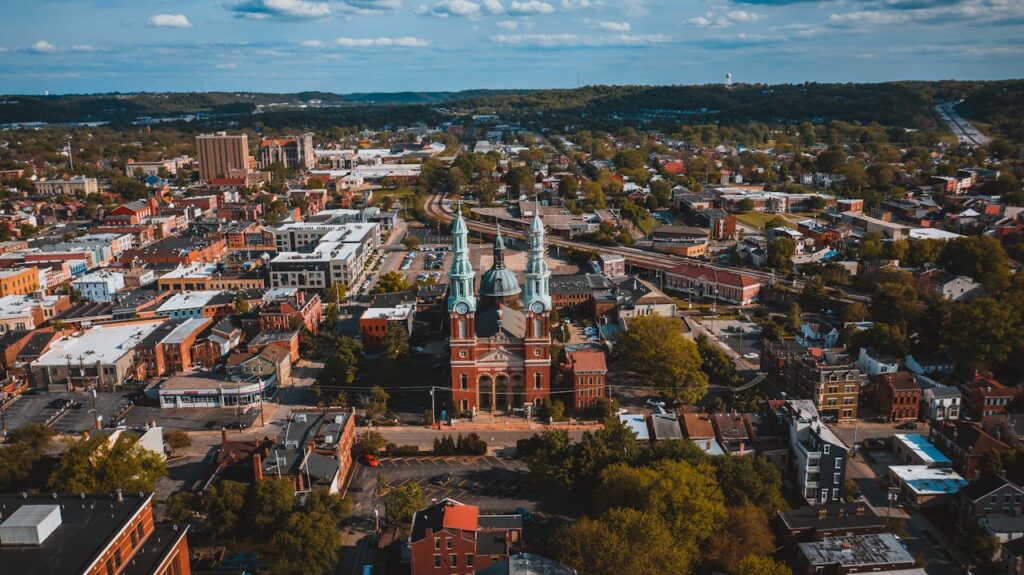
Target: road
{"points": [[964, 131], [497, 439]]}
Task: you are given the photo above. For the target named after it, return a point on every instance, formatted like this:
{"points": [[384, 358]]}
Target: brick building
{"points": [[710, 283], [899, 396], [585, 371], [281, 305], [376, 321], [450, 538]]}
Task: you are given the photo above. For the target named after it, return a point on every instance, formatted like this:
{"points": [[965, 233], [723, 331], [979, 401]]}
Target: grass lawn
{"points": [[757, 220]]}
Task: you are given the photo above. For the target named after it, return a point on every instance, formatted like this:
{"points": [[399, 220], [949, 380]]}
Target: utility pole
{"points": [[263, 421], [433, 408], [95, 411]]}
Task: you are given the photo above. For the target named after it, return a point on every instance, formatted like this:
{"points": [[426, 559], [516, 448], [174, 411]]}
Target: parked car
{"points": [[655, 403], [874, 443], [751, 355], [371, 460], [907, 425], [440, 479]]}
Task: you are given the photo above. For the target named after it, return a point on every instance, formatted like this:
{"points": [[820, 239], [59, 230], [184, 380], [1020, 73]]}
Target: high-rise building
{"points": [[293, 152], [220, 153]]}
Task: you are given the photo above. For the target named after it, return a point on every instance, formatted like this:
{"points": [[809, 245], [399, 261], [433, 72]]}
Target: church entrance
{"points": [[486, 391], [518, 391], [504, 393]]}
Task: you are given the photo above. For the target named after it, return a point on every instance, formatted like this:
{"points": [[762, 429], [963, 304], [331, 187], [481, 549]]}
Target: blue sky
{"points": [[65, 46]]}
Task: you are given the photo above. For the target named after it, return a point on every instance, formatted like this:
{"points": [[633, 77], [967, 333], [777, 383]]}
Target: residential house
{"points": [[941, 402], [375, 323], [964, 442], [698, 428], [866, 553], [984, 396], [284, 308], [731, 432], [585, 372], [817, 455], [873, 363], [818, 522], [829, 378], [816, 334], [898, 395], [451, 538]]}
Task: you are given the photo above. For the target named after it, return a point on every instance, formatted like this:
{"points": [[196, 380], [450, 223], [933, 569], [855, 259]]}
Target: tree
{"points": [[715, 363], [750, 481], [391, 282], [396, 342], [621, 542], [855, 312], [225, 506], [376, 403], [309, 538], [745, 205], [177, 440], [980, 257], [748, 533], [337, 293], [270, 502], [93, 465], [26, 446], [401, 503], [410, 242], [369, 442], [794, 319], [655, 349], [181, 506], [241, 304], [761, 565], [780, 253], [776, 222], [340, 370]]}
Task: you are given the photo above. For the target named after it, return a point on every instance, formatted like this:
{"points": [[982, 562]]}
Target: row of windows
{"points": [[588, 380], [591, 392], [114, 563], [453, 560]]}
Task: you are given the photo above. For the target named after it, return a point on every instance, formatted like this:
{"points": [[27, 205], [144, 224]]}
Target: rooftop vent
{"points": [[30, 525]]}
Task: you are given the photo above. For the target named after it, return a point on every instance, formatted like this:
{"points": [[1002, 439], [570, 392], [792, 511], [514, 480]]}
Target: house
{"points": [[990, 495], [698, 428], [449, 538], [829, 378], [527, 564], [964, 442], [930, 364], [817, 455], [731, 432], [375, 323], [872, 363], [612, 265], [815, 334], [870, 553], [984, 396], [814, 523], [270, 362], [898, 395], [205, 303], [941, 402], [91, 534], [948, 286], [1012, 557], [99, 286], [585, 371], [285, 308], [664, 427]]}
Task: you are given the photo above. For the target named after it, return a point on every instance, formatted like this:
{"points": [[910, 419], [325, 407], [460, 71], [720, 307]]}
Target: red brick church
{"points": [[500, 341]]}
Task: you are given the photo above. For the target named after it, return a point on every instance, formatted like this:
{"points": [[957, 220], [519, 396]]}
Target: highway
{"points": [[964, 131]]}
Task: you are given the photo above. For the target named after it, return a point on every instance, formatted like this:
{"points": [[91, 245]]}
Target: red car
{"points": [[370, 460]]}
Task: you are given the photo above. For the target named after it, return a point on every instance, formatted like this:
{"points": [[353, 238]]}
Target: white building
{"points": [[99, 286], [119, 243], [328, 263], [101, 356], [872, 363], [941, 402], [187, 304]]}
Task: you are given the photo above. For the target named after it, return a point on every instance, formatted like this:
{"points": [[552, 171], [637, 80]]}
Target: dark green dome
{"points": [[499, 281]]}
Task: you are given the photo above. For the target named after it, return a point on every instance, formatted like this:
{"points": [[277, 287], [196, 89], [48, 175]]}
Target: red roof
{"points": [[458, 516], [586, 360], [714, 275], [674, 167]]}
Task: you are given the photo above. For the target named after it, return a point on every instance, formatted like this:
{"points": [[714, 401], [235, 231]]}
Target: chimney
{"points": [[846, 545], [223, 435], [257, 466], [822, 513]]}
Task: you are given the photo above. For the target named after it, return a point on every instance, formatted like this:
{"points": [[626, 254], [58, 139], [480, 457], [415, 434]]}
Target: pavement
{"points": [[500, 436]]}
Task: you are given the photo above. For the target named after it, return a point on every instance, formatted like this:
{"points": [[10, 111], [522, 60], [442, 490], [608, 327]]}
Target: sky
{"points": [[343, 46]]}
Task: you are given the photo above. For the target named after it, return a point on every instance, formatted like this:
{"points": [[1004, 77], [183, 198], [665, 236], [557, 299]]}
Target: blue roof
{"points": [[923, 448], [637, 424]]}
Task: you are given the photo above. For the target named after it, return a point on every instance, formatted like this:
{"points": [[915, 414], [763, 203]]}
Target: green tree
{"points": [[369, 442], [745, 205], [26, 447], [715, 363], [657, 351], [376, 403], [225, 507], [93, 465], [621, 542], [984, 332], [401, 503], [391, 282], [761, 565], [780, 253], [241, 304], [309, 538], [750, 481], [340, 370], [270, 502], [777, 222], [396, 342], [411, 242], [980, 257], [177, 440], [336, 293], [181, 505]]}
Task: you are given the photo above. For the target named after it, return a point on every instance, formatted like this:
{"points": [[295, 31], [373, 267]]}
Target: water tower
{"points": [[728, 79]]}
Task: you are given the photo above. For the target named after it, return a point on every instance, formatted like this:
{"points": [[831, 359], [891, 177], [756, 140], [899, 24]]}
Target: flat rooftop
{"points": [[20, 305], [393, 313], [922, 448], [637, 424], [324, 251], [103, 344], [924, 480], [187, 300], [857, 551]]}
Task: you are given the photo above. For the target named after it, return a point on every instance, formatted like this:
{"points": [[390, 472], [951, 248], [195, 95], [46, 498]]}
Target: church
{"points": [[500, 339]]}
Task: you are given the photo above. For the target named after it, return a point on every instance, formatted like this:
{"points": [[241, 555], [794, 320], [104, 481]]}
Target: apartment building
{"points": [[69, 187], [18, 281], [219, 154], [829, 378], [99, 286], [817, 455]]}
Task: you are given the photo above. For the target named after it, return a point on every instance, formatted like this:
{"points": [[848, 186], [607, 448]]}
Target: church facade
{"points": [[500, 338]]}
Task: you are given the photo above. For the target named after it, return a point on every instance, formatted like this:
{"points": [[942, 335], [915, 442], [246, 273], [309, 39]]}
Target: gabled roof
{"points": [[985, 485], [446, 514]]}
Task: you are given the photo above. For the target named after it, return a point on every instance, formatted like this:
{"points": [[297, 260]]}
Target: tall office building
{"points": [[220, 153], [293, 152]]}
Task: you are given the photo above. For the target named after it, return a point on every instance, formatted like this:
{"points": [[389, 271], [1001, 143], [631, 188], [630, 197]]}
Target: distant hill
{"points": [[903, 104]]}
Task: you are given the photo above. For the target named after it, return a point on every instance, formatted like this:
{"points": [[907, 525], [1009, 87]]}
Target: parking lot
{"points": [[425, 263], [78, 416], [742, 336], [495, 484]]}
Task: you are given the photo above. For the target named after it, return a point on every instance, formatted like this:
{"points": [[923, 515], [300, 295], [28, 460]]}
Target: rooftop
{"points": [[922, 448], [924, 480], [187, 300], [102, 344], [398, 312], [637, 424], [20, 305], [868, 550]]}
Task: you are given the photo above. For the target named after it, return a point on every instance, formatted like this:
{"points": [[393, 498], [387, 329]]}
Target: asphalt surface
{"points": [[33, 408]]}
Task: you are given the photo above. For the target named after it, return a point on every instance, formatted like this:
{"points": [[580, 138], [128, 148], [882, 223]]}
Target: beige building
{"points": [[70, 186], [219, 154]]}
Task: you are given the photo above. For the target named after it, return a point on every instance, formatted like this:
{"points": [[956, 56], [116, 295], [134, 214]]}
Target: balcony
{"points": [[813, 469]]}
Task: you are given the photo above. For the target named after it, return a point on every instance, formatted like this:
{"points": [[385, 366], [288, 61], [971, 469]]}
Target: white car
{"points": [[751, 355]]}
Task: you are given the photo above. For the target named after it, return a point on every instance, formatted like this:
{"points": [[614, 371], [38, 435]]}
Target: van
{"points": [[367, 569]]}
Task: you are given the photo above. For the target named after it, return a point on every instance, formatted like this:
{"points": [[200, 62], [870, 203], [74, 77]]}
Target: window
{"points": [[464, 382], [437, 543], [536, 328], [835, 478], [110, 567], [135, 539], [117, 558], [469, 560], [437, 560], [454, 560], [825, 449], [448, 543], [839, 463], [835, 494], [537, 380]]}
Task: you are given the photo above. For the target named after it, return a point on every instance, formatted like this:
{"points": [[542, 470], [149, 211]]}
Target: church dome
{"points": [[499, 281]]}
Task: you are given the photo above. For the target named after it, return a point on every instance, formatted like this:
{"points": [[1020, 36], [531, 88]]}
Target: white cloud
{"points": [[286, 9], [508, 24], [227, 66], [493, 7], [44, 47], [871, 17], [459, 8], [715, 20], [369, 6], [743, 16], [313, 43], [83, 48], [169, 21], [404, 42], [531, 7], [580, 41], [614, 26], [570, 4]]}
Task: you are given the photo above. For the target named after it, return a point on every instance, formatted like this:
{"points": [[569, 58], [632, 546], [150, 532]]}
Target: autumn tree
{"points": [[657, 351], [391, 282], [746, 531], [93, 465], [401, 503], [761, 565]]}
